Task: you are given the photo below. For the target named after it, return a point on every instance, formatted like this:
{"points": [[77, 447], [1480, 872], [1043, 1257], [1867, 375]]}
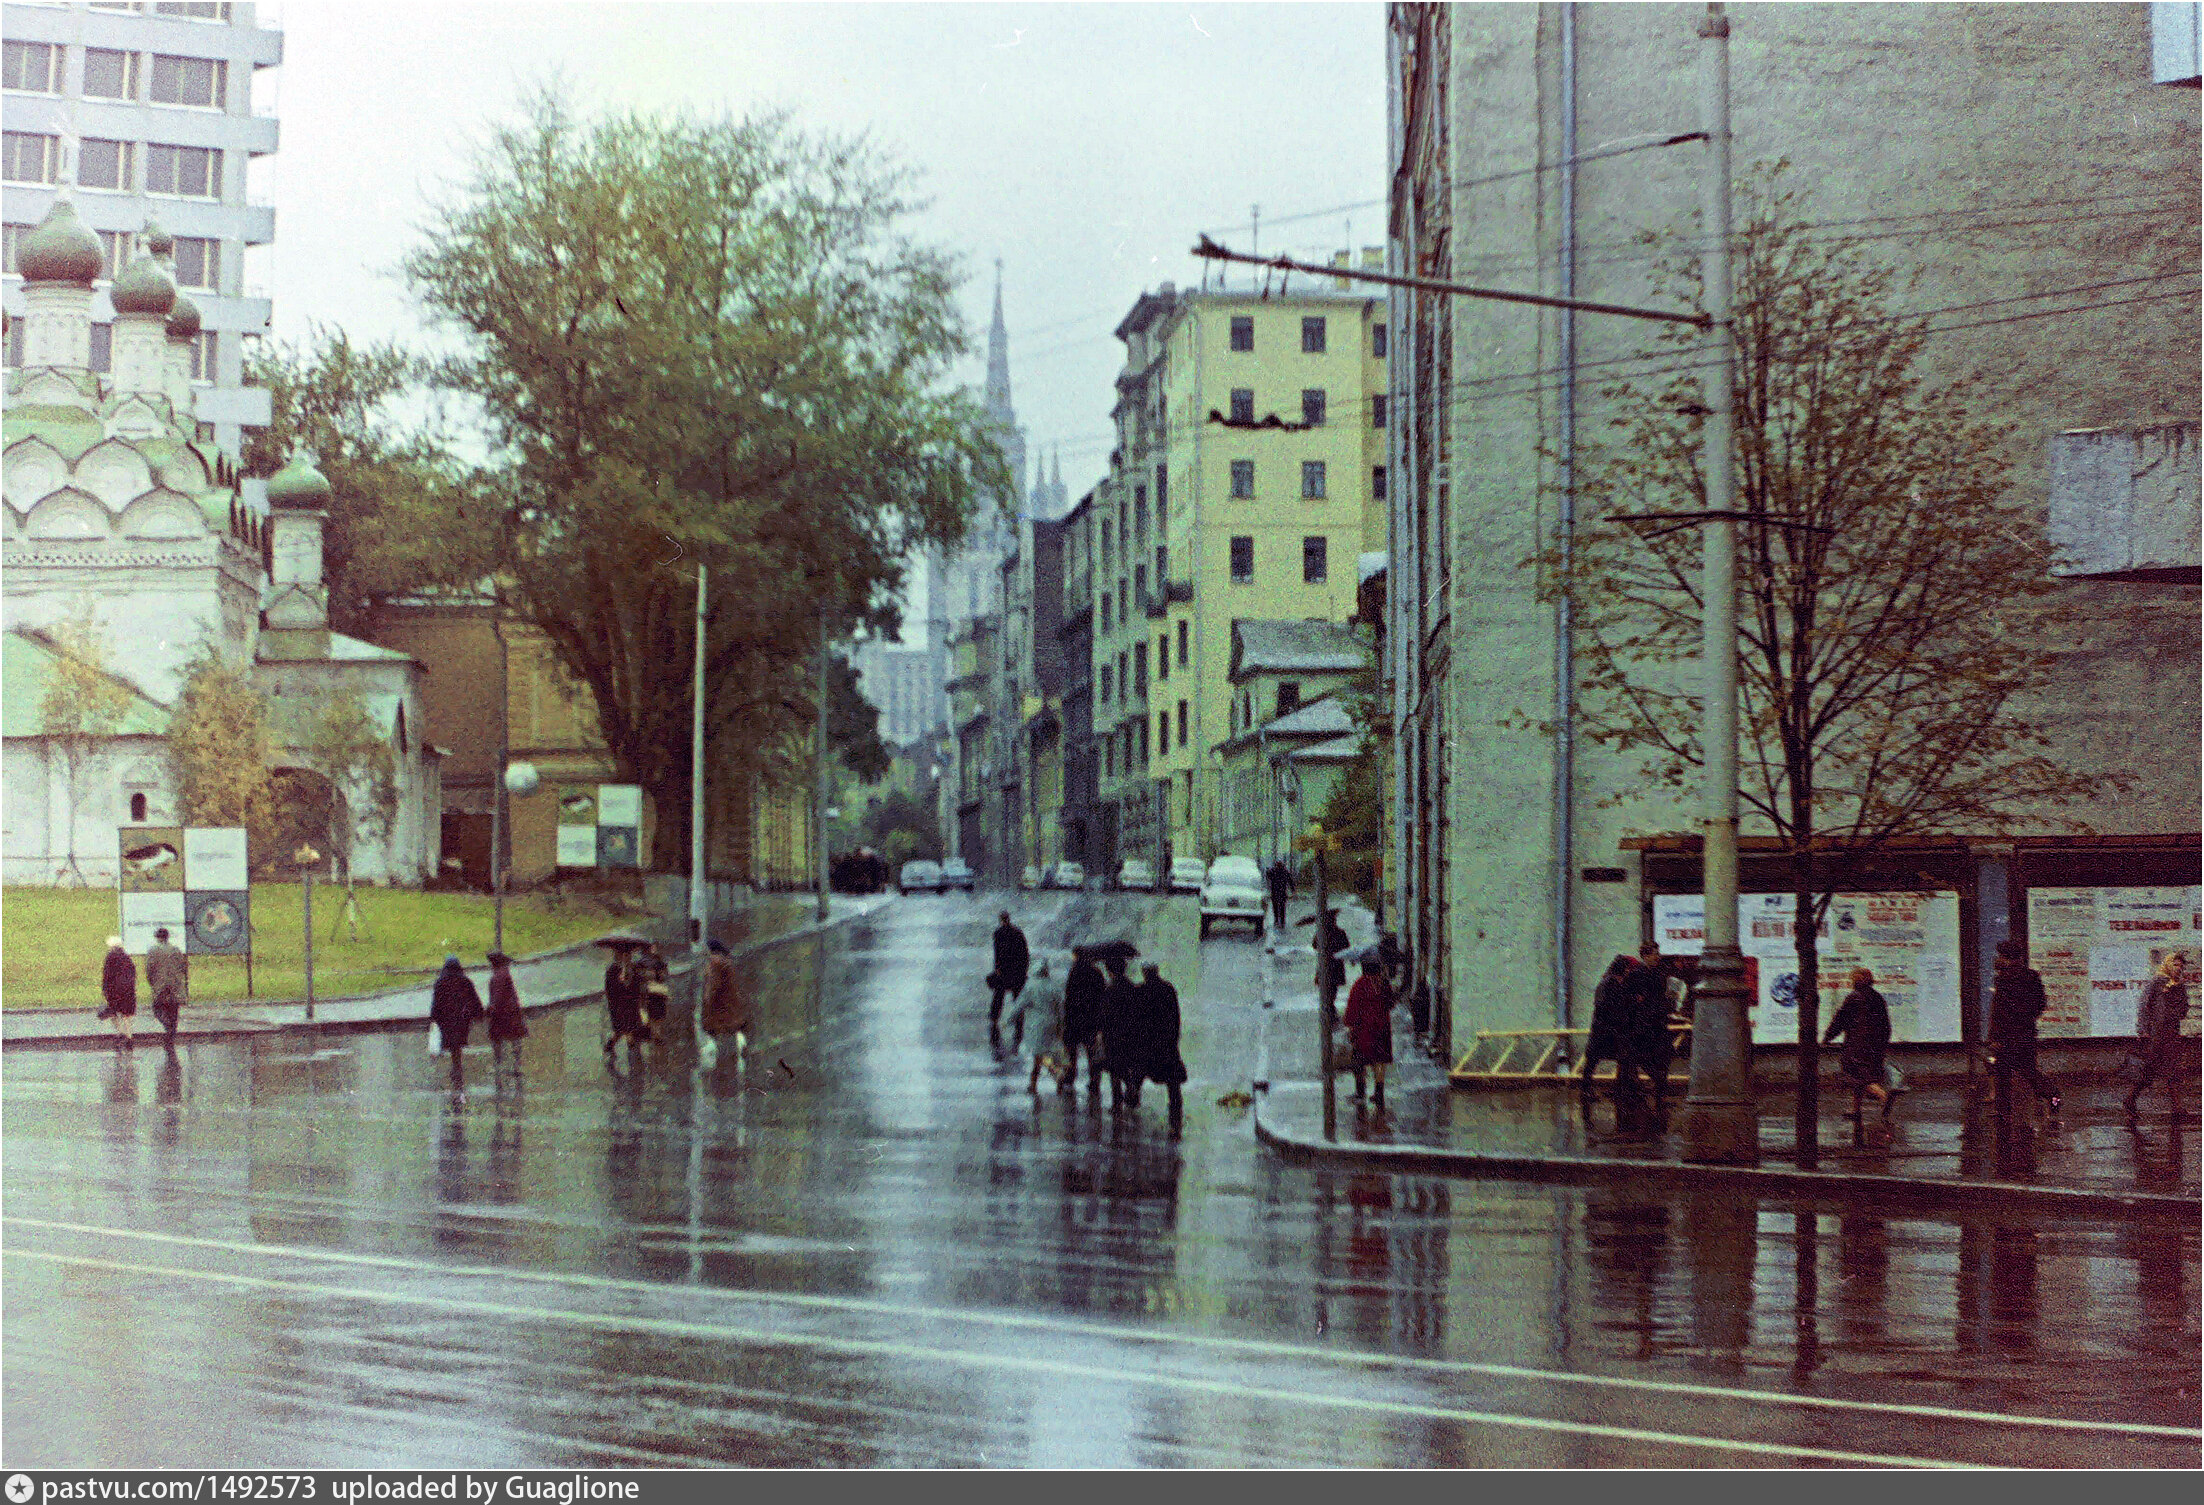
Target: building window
{"points": [[109, 74], [1182, 645], [189, 171], [1182, 723], [1377, 482], [1140, 582], [1312, 406], [1377, 341], [137, 809], [103, 348], [104, 164], [1312, 479], [1243, 560], [14, 343], [1163, 655], [186, 81], [204, 356], [35, 66], [1377, 410], [1109, 758], [1140, 667], [1163, 494], [1243, 332], [1105, 612], [198, 262], [192, 10], [1289, 696], [1105, 684], [1312, 336], [28, 158], [1163, 559], [1243, 478], [1313, 561], [116, 248], [11, 236], [1124, 603], [1143, 742], [1243, 404], [398, 732]]}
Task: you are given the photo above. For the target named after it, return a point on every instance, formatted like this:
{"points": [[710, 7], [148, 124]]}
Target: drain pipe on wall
{"points": [[1564, 624]]}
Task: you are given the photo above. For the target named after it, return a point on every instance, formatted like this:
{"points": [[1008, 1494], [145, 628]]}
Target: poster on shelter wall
{"points": [[2096, 947], [1910, 941]]}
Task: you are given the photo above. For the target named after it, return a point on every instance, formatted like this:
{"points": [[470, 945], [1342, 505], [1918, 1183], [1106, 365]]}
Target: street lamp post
{"points": [[307, 859]]}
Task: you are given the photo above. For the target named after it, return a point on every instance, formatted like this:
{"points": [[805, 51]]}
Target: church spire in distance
{"points": [[998, 358]]}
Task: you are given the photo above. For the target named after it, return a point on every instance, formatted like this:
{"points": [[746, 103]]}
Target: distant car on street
{"points": [[920, 877], [1232, 890], [1030, 878], [1186, 875], [957, 873], [1135, 876], [1067, 875]]}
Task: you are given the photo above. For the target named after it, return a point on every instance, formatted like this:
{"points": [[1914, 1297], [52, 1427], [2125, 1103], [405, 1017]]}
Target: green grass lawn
{"points": [[52, 941]]}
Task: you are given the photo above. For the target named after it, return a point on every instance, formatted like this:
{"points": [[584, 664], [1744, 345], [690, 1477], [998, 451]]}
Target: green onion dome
{"points": [[298, 486], [158, 242], [183, 318], [60, 249], [143, 287]]}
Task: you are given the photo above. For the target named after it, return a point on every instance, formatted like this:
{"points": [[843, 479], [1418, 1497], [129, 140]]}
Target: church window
{"points": [[103, 348], [137, 809], [398, 733]]}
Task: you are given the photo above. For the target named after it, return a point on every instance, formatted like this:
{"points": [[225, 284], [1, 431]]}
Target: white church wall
{"points": [[40, 810]]}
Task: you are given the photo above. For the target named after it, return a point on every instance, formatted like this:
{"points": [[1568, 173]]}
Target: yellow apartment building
{"points": [[1248, 478]]}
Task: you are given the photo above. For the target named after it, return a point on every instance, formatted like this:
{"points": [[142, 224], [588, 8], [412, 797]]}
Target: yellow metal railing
{"points": [[1506, 1056]]}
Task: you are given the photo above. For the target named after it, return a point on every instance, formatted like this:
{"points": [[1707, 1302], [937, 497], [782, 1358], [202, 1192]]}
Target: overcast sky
{"points": [[1085, 145]]}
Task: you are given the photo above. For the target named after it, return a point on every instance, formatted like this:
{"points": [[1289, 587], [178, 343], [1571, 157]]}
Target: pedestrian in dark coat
{"points": [[168, 979], [1280, 882], [725, 1012], [1083, 989], [508, 1025], [454, 1005], [2156, 1053], [1119, 1019], [624, 1007], [1630, 1028], [1864, 1021], [1012, 962], [2016, 1002], [1155, 1033], [1369, 1021], [118, 987], [655, 986]]}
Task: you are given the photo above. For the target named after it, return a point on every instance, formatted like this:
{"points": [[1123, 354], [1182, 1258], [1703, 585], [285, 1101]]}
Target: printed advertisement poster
{"points": [[619, 804], [577, 846], [2095, 948], [214, 922], [152, 859], [214, 858], [142, 914], [1910, 941]]}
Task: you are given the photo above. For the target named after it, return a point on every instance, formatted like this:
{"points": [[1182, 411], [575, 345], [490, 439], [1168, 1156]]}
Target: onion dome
{"points": [[60, 249], [158, 242], [183, 318], [299, 487], [143, 287]]}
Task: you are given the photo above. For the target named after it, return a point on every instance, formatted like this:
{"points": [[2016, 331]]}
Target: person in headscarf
{"points": [[454, 1005], [118, 986], [508, 1025]]}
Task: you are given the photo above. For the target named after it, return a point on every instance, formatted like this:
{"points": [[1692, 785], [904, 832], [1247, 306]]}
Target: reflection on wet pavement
{"points": [[885, 1252]]}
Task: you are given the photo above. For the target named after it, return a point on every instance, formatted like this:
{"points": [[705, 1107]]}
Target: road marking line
{"points": [[673, 1327], [1020, 1321]]}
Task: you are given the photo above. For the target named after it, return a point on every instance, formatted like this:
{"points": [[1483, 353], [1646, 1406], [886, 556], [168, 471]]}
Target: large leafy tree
{"points": [[405, 513], [704, 343], [220, 748], [1895, 613], [79, 711]]}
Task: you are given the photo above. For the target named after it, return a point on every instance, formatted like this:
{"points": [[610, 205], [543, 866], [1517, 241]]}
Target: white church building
{"points": [[115, 507]]}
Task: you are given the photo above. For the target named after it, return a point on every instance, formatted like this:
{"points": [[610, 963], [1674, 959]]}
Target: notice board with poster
{"points": [[600, 825], [2095, 948], [1910, 941], [192, 881]]}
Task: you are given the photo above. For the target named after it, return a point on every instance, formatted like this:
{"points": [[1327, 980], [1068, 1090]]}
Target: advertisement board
{"points": [[1910, 941], [600, 825], [2096, 947], [193, 881], [142, 914], [151, 859]]}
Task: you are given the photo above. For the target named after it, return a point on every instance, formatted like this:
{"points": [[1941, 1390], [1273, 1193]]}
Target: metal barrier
{"points": [[1511, 1057]]}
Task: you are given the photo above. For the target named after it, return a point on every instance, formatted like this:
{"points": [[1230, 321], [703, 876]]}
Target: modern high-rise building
{"points": [[144, 112]]}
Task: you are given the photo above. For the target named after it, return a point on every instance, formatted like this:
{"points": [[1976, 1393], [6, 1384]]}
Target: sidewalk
{"points": [[1942, 1149], [552, 979]]}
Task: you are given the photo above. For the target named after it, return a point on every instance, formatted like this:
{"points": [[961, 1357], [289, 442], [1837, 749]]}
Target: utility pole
{"points": [[819, 761], [1720, 1123], [498, 816], [699, 911]]}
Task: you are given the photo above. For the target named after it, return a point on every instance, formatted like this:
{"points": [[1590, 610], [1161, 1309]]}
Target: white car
{"points": [[1186, 875], [1134, 874], [1030, 878], [1232, 890], [957, 873], [1067, 875], [919, 877]]}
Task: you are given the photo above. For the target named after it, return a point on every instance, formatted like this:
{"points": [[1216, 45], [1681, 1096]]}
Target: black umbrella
{"points": [[1102, 951], [623, 940]]}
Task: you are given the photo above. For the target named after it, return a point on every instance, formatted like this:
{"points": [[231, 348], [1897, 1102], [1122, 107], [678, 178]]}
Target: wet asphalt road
{"points": [[885, 1253]]}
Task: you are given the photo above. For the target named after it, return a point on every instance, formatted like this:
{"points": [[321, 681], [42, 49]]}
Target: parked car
{"points": [[919, 877], [1186, 875], [1030, 878], [1134, 875], [1067, 875], [1232, 890], [957, 873]]}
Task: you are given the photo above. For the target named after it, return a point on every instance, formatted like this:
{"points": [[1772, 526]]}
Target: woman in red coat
{"points": [[1369, 1021]]}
